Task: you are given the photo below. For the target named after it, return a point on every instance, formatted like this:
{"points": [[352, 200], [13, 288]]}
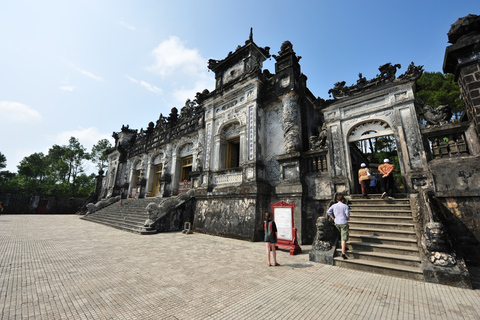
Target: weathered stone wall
{"points": [[319, 186], [462, 218], [454, 176], [314, 209], [176, 218], [233, 217], [273, 144]]}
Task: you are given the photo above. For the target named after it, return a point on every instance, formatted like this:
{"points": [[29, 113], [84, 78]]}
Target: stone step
{"points": [[406, 242], [390, 269], [379, 202], [380, 212], [130, 228], [383, 248], [397, 259], [129, 217], [374, 225], [395, 233], [382, 237], [120, 220], [379, 218]]}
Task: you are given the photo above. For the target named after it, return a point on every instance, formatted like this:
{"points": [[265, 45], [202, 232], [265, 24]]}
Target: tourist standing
{"points": [[373, 184], [270, 238], [340, 213], [386, 170], [364, 179], [121, 197]]}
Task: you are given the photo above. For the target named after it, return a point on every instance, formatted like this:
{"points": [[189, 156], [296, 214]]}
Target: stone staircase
{"points": [[129, 217], [382, 238]]}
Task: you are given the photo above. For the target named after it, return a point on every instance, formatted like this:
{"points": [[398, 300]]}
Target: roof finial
{"points": [[251, 34]]}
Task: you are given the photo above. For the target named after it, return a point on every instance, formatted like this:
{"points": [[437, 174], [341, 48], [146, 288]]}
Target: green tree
{"points": [[99, 154], [436, 88], [3, 161], [34, 167], [75, 157]]}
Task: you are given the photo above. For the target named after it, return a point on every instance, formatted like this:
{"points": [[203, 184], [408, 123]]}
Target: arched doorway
{"points": [[371, 142]]}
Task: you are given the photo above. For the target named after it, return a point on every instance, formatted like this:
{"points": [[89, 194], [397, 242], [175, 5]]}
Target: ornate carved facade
{"points": [[262, 137]]}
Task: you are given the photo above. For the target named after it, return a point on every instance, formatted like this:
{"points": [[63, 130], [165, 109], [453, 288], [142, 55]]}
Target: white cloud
{"points": [[127, 25], [184, 69], [17, 112], [181, 95], [86, 73], [146, 85], [67, 88], [86, 136], [171, 57]]}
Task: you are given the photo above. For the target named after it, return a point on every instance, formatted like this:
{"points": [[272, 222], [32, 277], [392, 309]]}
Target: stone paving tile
{"points": [[61, 267]]}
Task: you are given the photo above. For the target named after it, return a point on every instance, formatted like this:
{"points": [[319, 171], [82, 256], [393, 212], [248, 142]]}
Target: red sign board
{"points": [[286, 233]]}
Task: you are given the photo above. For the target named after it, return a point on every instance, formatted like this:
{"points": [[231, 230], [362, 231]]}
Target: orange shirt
{"points": [[386, 169]]}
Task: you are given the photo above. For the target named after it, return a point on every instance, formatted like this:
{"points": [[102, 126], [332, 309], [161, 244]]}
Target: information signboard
{"points": [[286, 233]]}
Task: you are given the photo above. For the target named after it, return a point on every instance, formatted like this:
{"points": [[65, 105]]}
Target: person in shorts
{"points": [[340, 213], [270, 238]]}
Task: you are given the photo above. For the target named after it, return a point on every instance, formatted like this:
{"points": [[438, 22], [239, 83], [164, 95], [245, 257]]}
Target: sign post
{"points": [[287, 234]]}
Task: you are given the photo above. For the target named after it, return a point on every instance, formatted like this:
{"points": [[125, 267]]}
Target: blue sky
{"points": [[85, 68]]}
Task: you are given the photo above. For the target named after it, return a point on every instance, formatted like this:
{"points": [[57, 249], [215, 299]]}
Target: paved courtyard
{"points": [[61, 267]]}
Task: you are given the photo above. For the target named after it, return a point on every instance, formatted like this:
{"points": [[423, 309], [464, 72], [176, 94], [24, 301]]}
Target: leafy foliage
{"points": [[62, 170], [99, 153], [436, 88], [3, 161]]}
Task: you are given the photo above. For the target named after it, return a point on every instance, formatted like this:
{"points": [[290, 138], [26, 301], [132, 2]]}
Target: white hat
{"points": [[363, 165], [386, 160]]}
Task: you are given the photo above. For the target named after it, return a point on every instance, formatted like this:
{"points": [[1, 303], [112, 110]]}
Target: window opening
{"points": [[156, 183], [186, 168], [233, 153]]}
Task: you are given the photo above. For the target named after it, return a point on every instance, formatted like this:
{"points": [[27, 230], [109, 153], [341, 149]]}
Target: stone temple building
{"points": [[260, 138]]}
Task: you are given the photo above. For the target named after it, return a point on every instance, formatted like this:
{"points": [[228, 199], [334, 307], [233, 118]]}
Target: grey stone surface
{"points": [[61, 267]]}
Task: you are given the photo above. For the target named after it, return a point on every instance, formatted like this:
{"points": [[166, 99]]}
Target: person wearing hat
{"points": [[386, 170], [364, 179]]}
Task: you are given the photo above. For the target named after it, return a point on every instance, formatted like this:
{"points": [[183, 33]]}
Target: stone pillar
{"points": [[34, 201], [462, 58], [98, 184], [243, 146], [175, 172], [132, 183], [291, 123], [218, 162], [150, 177]]}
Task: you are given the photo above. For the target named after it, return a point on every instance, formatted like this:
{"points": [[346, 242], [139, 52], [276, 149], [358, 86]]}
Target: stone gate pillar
{"points": [[291, 123], [462, 58]]}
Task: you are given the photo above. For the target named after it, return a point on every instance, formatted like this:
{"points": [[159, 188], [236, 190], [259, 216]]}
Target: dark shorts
{"points": [[271, 240]]}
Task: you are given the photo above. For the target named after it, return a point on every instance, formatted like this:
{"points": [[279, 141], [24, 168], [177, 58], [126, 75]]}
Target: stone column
{"points": [[462, 58], [291, 122], [243, 146], [150, 176], [218, 162], [98, 184]]}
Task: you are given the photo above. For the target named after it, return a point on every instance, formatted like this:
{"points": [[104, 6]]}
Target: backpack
{"points": [[268, 229]]}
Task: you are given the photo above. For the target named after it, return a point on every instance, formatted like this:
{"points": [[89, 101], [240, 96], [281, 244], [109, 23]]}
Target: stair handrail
{"points": [[441, 262], [94, 207], [156, 211], [435, 240]]}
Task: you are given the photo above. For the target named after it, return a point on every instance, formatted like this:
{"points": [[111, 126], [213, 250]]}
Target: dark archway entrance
{"points": [[371, 142]]}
